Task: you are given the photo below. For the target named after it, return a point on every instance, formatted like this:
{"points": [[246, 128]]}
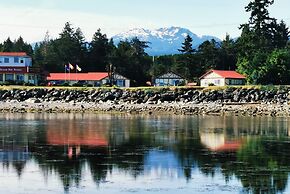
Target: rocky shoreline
{"points": [[229, 101]]}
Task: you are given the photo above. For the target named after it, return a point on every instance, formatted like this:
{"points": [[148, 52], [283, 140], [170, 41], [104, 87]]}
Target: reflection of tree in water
{"points": [[14, 145], [52, 159], [264, 165], [100, 161], [261, 164], [127, 155]]}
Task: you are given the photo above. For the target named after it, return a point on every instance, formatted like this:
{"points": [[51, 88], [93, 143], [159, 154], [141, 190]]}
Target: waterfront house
{"points": [[222, 78], [17, 67], [90, 78], [169, 79]]}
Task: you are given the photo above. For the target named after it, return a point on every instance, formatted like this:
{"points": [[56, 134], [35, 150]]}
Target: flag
{"points": [[71, 66], [78, 68], [66, 68]]}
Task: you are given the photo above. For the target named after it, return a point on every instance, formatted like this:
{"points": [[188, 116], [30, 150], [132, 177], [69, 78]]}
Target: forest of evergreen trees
{"points": [[262, 52]]}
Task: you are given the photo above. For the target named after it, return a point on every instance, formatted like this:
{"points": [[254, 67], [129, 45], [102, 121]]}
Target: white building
{"points": [[169, 79], [222, 78], [17, 67]]}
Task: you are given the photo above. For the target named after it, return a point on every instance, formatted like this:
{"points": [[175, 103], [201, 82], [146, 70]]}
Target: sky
{"points": [[31, 19]]}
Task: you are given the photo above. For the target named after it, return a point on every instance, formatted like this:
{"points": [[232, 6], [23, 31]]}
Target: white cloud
{"points": [[32, 24]]}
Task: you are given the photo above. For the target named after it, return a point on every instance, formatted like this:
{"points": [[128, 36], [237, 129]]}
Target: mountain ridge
{"points": [[163, 41]]}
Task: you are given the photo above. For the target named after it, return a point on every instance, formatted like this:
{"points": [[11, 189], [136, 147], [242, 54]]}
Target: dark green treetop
{"points": [[186, 47]]}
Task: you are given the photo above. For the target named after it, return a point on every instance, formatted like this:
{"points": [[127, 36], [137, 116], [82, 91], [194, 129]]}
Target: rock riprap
{"points": [[240, 101]]}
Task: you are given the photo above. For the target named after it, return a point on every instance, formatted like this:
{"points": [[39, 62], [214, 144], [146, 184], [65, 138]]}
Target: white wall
{"points": [[127, 83], [215, 81]]}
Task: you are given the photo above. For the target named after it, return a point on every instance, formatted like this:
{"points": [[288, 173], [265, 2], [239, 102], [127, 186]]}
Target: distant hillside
{"points": [[164, 41]]}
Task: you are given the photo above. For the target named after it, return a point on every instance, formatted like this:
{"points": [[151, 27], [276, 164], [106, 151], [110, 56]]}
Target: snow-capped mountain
{"points": [[163, 41]]}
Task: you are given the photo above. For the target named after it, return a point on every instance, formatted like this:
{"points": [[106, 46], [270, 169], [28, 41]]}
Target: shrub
{"points": [[78, 84], [65, 84]]}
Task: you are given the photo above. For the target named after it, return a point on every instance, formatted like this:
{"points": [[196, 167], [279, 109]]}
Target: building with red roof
{"points": [[17, 67], [91, 78], [222, 78]]}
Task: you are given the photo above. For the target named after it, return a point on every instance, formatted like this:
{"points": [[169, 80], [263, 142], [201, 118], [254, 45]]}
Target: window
{"points": [[217, 82], [21, 61], [120, 83], [31, 77], [16, 59], [20, 77], [1, 77], [6, 60], [9, 77]]}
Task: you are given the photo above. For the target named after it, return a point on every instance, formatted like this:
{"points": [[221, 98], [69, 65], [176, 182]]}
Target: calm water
{"points": [[87, 153]]}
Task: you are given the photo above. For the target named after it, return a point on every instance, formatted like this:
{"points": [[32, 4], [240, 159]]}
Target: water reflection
{"points": [[253, 151]]}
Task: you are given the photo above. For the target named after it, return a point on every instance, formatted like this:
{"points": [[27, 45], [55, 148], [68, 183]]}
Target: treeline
{"points": [[261, 53], [16, 46]]}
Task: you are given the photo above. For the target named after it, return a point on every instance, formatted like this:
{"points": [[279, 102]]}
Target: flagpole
{"points": [[69, 75], [65, 72]]}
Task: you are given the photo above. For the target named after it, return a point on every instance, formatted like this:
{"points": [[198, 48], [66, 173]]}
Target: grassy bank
{"points": [[260, 87]]}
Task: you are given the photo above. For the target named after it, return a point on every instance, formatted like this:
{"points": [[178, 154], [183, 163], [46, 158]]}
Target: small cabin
{"points": [[222, 78], [169, 79]]}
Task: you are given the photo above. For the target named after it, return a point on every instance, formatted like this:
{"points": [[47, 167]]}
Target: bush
{"points": [[211, 84], [65, 84], [29, 84], [9, 82], [43, 83], [78, 84]]}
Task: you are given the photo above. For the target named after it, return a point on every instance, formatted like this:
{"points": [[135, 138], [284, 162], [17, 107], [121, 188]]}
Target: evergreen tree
{"points": [[20, 46], [281, 35], [81, 47], [227, 54], [260, 20], [161, 65], [186, 47], [68, 44], [99, 52], [260, 36], [8, 45], [139, 46], [208, 53], [131, 60]]}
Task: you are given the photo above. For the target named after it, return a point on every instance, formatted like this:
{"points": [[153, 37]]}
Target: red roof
{"points": [[225, 74], [92, 76], [13, 54]]}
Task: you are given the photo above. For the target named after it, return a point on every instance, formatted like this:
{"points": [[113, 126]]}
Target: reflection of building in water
{"points": [[13, 153], [73, 135], [216, 141]]}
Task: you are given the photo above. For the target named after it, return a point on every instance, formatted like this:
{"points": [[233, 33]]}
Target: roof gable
{"points": [[169, 75]]}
